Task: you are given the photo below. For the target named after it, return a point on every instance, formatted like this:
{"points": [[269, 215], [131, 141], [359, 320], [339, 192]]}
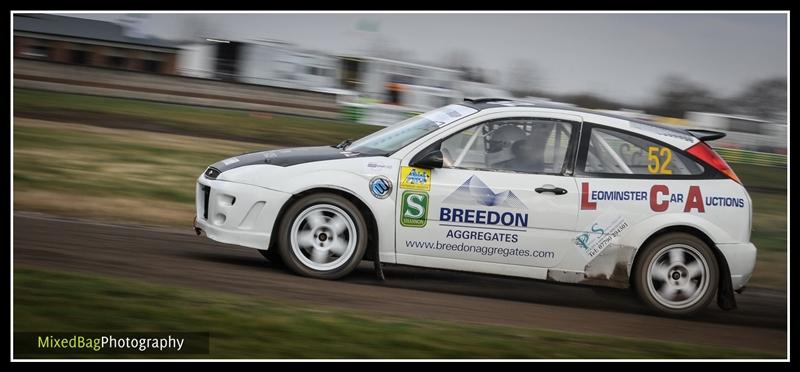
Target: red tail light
{"points": [[705, 153]]}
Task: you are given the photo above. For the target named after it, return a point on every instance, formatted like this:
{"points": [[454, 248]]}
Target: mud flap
{"points": [[725, 296], [197, 230], [378, 269]]}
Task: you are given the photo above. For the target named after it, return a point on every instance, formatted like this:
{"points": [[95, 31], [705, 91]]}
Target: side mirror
{"points": [[431, 158]]}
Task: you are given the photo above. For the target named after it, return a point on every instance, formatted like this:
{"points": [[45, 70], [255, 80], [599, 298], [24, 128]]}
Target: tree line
{"points": [[675, 96]]}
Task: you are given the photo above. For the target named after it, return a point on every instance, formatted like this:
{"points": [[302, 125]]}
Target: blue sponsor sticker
{"points": [[380, 187]]}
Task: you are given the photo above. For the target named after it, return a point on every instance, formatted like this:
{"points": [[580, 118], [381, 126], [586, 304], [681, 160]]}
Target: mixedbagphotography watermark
{"points": [[111, 343]]}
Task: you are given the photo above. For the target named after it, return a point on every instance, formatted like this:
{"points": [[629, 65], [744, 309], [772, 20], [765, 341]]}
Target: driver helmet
{"points": [[500, 142]]}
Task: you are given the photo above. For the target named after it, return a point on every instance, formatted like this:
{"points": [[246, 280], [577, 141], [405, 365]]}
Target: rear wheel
{"points": [[322, 236], [677, 274]]}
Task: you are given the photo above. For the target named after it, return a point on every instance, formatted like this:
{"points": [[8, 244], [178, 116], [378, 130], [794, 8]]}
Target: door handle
{"points": [[554, 190]]}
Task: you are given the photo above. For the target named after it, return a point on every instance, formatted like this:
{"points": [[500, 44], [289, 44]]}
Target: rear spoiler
{"points": [[706, 135]]}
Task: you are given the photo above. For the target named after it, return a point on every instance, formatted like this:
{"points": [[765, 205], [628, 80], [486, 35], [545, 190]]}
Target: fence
{"points": [[172, 89], [752, 157]]}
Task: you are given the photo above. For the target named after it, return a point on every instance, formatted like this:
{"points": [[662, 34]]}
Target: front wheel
{"points": [[677, 274], [322, 236]]}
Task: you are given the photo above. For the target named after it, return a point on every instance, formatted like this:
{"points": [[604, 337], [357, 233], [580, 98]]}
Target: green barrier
{"points": [[752, 157], [352, 113]]}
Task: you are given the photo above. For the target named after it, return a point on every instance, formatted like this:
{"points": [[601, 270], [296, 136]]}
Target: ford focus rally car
{"points": [[500, 187]]}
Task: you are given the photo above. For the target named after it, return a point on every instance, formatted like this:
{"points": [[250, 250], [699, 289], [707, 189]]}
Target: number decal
{"points": [[654, 155], [668, 153], [653, 166]]}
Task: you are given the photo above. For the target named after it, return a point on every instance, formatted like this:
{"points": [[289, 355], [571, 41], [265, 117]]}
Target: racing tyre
{"points": [[676, 275], [322, 236]]}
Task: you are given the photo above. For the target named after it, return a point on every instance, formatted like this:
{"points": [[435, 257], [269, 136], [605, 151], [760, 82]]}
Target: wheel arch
{"points": [[363, 208], [643, 232], [691, 230], [725, 297]]}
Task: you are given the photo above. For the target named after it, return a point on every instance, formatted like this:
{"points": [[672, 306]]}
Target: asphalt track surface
{"points": [[179, 257]]}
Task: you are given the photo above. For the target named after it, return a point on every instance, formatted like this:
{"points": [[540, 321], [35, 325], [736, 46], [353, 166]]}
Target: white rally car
{"points": [[500, 187]]}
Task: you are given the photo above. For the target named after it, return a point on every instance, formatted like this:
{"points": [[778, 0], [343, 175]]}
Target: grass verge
{"points": [[102, 162], [240, 125], [244, 327]]}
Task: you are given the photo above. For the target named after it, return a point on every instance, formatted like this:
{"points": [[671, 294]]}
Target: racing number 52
{"points": [[654, 155]]}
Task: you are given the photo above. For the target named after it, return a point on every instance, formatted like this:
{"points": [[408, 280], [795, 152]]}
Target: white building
{"points": [[373, 76], [476, 89], [259, 62], [742, 131], [282, 64]]}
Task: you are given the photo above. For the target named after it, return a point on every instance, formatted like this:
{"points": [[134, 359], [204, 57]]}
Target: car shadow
{"points": [[505, 288], [256, 261]]}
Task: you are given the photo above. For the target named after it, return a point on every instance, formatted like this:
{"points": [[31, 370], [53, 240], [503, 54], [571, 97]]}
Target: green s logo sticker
{"points": [[414, 211]]}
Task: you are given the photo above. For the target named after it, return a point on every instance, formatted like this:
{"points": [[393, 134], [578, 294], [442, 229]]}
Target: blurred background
{"points": [[721, 71], [104, 103]]}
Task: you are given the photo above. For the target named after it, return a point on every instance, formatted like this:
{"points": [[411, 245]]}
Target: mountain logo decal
{"points": [[475, 191]]}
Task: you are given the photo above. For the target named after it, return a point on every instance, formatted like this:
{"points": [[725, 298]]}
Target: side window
{"points": [[614, 152], [524, 145]]}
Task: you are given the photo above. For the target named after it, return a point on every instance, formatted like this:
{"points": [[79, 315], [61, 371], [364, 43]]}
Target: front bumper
{"points": [[741, 259], [236, 213]]}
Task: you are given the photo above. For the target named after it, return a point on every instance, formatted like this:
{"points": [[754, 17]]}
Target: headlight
{"points": [[212, 173]]}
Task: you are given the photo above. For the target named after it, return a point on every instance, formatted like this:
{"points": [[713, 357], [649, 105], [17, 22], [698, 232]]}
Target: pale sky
{"points": [[621, 57]]}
